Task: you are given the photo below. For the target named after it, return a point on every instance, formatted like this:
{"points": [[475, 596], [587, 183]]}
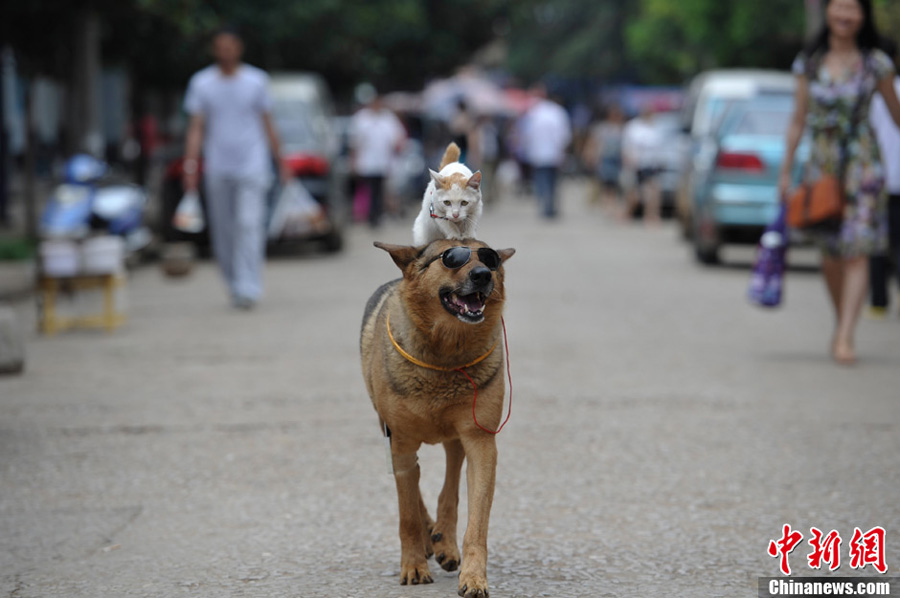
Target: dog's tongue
{"points": [[473, 302]]}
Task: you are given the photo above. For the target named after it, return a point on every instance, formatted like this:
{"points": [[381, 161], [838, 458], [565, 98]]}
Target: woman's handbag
{"points": [[819, 204], [768, 269]]}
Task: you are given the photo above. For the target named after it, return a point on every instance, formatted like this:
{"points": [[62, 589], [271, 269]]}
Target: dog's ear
{"points": [[505, 254], [403, 255]]}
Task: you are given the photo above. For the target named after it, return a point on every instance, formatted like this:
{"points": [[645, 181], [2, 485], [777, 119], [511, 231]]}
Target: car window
{"points": [[295, 124], [710, 114], [767, 115], [762, 122]]}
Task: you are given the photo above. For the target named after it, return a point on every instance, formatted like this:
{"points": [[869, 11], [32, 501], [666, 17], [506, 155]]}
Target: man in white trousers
{"points": [[231, 120]]}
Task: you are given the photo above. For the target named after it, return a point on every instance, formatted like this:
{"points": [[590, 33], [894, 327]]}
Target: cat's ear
{"points": [[474, 181], [436, 177]]}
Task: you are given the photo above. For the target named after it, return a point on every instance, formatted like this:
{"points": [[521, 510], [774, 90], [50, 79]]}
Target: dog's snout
{"points": [[480, 275]]}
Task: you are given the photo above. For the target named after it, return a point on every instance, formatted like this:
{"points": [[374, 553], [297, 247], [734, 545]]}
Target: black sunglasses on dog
{"points": [[457, 257]]}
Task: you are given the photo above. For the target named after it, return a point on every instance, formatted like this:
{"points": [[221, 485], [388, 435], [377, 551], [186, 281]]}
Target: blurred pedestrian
{"points": [[546, 134], [231, 120], [487, 156], [518, 156], [837, 74], [603, 153], [463, 132], [376, 137], [888, 136], [642, 157]]}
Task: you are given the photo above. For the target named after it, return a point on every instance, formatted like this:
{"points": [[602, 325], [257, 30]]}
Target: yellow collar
{"points": [[421, 363]]}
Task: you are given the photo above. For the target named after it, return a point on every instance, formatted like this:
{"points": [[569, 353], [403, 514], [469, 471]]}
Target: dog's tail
{"points": [[451, 155]]}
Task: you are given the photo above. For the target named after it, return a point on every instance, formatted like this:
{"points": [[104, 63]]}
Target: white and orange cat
{"points": [[452, 204]]}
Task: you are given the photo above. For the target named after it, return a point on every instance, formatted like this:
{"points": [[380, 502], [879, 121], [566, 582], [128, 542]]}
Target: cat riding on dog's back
{"points": [[452, 203]]}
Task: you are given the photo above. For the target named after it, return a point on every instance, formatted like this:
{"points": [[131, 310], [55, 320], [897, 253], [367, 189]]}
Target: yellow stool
{"points": [[49, 288]]}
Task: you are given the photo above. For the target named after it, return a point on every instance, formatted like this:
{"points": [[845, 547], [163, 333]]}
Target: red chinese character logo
{"points": [[827, 549], [868, 549], [784, 546]]}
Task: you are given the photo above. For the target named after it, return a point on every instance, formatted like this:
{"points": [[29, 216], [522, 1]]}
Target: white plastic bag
{"points": [[188, 217], [296, 212]]}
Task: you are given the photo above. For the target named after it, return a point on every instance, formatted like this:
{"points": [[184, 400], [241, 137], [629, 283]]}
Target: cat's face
{"points": [[455, 196]]}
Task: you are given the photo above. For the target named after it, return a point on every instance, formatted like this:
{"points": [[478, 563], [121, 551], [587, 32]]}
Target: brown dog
{"points": [[419, 333]]}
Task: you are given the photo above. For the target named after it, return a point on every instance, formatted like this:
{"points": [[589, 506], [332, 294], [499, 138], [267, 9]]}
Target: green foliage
{"points": [[887, 15], [393, 43], [15, 249], [650, 41], [571, 38], [673, 40], [399, 44]]}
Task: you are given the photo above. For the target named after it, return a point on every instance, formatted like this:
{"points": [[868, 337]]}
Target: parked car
{"points": [[736, 178], [708, 96], [303, 114]]}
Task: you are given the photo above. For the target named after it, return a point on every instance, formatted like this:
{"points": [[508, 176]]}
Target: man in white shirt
{"points": [[376, 135], [546, 134], [888, 136], [230, 118], [641, 147]]}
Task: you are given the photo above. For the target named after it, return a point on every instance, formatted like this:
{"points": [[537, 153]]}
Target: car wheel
{"points": [[706, 249], [333, 242], [708, 256]]}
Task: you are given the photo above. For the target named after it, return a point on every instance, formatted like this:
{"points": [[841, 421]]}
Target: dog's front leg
{"points": [[444, 535], [413, 561], [481, 453]]}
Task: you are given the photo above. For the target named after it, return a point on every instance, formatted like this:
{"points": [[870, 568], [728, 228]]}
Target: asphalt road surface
{"points": [[663, 430]]}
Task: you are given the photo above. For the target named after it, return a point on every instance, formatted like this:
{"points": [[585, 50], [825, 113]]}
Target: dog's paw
{"points": [[427, 527], [446, 552], [473, 586], [427, 540], [415, 573]]}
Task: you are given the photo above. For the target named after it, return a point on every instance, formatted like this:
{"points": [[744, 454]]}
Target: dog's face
{"points": [[452, 279]]}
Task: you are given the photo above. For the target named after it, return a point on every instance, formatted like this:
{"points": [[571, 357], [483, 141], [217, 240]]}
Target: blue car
{"points": [[737, 194]]}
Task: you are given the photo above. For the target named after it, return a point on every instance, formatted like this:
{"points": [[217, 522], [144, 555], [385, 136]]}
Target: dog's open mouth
{"points": [[468, 308]]}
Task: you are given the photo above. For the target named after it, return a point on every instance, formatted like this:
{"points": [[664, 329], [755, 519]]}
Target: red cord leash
{"points": [[509, 377], [462, 370]]}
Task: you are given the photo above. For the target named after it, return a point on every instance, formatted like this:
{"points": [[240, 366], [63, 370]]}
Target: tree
{"points": [[673, 40], [650, 41], [392, 43], [568, 38], [887, 16]]}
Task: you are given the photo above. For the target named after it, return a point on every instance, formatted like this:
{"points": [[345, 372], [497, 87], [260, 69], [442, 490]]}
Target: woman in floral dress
{"points": [[836, 77]]}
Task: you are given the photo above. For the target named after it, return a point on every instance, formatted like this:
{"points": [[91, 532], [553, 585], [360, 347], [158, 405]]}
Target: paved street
{"points": [[663, 430]]}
